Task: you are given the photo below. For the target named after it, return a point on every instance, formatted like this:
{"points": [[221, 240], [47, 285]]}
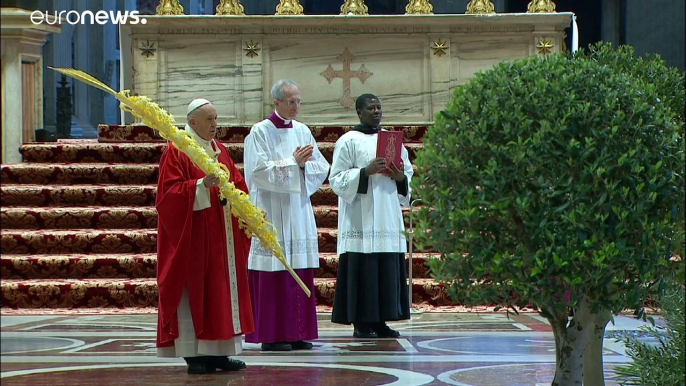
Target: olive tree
{"points": [[554, 183]]}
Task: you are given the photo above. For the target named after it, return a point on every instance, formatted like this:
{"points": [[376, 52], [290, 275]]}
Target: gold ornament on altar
{"points": [[544, 46], [541, 6], [289, 7], [480, 7], [419, 7], [250, 218], [169, 7], [230, 7], [439, 46], [147, 48], [251, 49], [356, 7]]}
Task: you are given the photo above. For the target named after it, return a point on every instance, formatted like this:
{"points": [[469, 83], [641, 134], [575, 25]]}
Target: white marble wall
{"points": [[206, 57]]}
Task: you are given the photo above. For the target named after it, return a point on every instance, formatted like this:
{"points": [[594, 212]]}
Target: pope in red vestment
{"points": [[202, 256]]}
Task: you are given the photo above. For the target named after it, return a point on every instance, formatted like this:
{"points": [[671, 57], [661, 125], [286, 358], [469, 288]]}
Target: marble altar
{"points": [[410, 61]]}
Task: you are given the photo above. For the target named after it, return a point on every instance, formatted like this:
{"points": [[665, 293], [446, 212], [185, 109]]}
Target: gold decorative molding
{"points": [[439, 46], [541, 6], [356, 7], [419, 7], [480, 7], [346, 74], [544, 46], [289, 7], [230, 7], [169, 7], [251, 49], [147, 48]]}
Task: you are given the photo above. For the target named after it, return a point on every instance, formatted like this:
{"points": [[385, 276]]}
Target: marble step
{"points": [[137, 265], [58, 241], [142, 292], [93, 217], [77, 195], [98, 217], [80, 173], [84, 173], [105, 195], [88, 241], [237, 134], [142, 152]]}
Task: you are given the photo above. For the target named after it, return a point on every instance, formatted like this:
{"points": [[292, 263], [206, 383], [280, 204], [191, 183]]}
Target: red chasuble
{"points": [[192, 253]]}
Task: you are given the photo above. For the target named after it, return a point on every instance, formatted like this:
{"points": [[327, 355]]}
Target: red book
{"points": [[389, 146]]}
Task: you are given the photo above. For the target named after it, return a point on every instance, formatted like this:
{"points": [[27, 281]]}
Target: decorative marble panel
{"points": [[394, 70], [234, 60], [473, 54]]}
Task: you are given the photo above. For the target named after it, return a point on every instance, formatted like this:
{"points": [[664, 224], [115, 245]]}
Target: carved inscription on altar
{"points": [[199, 31], [346, 74], [334, 30], [492, 28]]}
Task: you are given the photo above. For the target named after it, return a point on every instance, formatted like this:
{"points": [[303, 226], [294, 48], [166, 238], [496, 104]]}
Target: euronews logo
{"points": [[87, 17]]}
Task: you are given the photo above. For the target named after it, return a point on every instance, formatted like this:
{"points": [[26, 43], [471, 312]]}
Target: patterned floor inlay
{"points": [[465, 349]]}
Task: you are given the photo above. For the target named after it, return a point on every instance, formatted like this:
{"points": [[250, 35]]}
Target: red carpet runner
{"points": [[79, 222]]}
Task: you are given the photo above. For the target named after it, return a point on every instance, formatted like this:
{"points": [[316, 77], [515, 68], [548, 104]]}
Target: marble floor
{"points": [[466, 349]]}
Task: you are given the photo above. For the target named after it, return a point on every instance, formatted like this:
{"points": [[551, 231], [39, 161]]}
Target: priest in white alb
{"points": [[283, 168], [370, 286]]}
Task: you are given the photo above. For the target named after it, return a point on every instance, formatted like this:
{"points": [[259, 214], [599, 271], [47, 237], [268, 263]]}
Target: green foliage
{"points": [[661, 364], [668, 81], [549, 179]]}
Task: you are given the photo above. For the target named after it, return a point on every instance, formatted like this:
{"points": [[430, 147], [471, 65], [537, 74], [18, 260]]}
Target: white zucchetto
{"points": [[195, 104]]}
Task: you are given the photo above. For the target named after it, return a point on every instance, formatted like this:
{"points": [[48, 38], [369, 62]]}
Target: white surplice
{"points": [[371, 222], [279, 186]]}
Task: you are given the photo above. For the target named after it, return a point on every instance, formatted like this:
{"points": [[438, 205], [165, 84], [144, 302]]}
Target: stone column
{"points": [[88, 57], [611, 21], [57, 53], [657, 27], [111, 58], [22, 42]]}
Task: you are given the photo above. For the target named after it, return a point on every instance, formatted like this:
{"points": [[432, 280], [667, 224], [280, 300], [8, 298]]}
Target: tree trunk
{"points": [[558, 321], [570, 365], [593, 354]]}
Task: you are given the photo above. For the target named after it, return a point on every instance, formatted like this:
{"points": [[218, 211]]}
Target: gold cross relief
{"points": [[346, 74]]}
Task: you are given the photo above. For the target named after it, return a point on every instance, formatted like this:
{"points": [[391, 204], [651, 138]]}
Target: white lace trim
{"points": [[375, 234], [233, 279], [291, 247], [345, 181], [281, 173]]}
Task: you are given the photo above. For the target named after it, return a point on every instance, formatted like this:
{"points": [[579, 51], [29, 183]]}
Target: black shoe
{"points": [[227, 364], [199, 365], [276, 346], [364, 330], [387, 332], [301, 345], [383, 331]]}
